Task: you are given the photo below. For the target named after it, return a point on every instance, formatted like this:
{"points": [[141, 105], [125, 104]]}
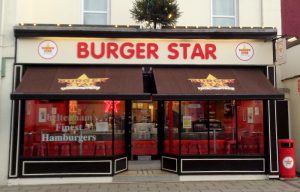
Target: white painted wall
{"points": [[5, 116], [272, 14], [50, 12], [1, 32], [120, 14], [8, 14], [294, 104], [292, 67], [290, 70], [250, 13], [194, 12]]}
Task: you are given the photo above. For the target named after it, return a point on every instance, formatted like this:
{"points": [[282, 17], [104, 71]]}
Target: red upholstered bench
{"points": [[119, 147], [194, 147], [144, 147], [38, 149], [249, 145], [88, 148]]}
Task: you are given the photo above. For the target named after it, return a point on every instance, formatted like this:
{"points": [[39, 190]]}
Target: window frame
{"points": [[107, 12], [235, 16]]}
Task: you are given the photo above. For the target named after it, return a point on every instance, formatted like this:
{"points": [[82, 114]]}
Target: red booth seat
{"points": [[59, 148], [38, 149], [144, 147], [194, 147], [119, 147], [251, 145]]}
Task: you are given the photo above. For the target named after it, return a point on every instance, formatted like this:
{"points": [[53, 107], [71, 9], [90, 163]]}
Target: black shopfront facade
{"points": [[87, 100]]}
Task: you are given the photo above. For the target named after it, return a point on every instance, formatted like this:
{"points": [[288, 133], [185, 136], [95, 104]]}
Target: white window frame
{"points": [[235, 16], [107, 12]]}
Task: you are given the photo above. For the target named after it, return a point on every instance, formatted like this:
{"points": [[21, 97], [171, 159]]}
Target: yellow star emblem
{"points": [[213, 83], [83, 82], [48, 48]]}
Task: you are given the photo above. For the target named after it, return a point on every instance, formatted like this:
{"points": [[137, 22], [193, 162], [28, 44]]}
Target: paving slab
{"points": [[142, 186]]}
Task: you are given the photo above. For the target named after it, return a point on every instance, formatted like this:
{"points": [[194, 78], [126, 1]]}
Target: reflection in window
{"points": [[194, 128], [119, 127], [251, 127], [224, 127], [171, 141], [224, 12], [144, 129], [71, 128]]}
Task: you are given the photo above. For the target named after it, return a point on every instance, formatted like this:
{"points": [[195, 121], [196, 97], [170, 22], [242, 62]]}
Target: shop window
{"points": [[226, 127], [194, 132], [171, 139], [71, 128], [96, 12], [250, 127], [144, 129], [224, 12], [119, 127], [208, 127], [222, 116]]}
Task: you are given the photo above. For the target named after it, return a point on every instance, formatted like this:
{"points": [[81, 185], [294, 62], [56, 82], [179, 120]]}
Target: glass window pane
{"points": [[144, 130], [194, 136], [171, 142], [67, 128], [95, 18], [223, 7], [250, 127], [119, 127], [222, 125], [95, 5], [217, 21]]}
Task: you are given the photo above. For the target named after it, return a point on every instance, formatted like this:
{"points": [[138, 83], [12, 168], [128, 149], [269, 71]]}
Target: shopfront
{"points": [[87, 100]]}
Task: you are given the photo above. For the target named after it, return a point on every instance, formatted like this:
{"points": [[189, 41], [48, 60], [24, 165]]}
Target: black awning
{"points": [[81, 82], [208, 83]]}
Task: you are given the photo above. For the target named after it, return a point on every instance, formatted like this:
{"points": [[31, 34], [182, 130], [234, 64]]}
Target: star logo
{"points": [[82, 83], [212, 83], [47, 49], [244, 51], [288, 162]]}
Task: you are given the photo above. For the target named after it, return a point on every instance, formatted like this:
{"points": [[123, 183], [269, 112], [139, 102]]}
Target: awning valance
{"points": [[207, 83], [81, 82]]}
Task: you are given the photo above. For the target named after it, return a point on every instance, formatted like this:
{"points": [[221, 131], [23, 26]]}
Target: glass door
{"points": [[144, 144]]}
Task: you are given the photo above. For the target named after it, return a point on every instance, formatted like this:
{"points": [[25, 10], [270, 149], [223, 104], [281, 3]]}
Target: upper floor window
{"points": [[96, 12], [224, 12]]}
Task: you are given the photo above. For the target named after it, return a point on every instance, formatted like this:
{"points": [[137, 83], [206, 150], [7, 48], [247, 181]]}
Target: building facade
{"points": [[289, 71], [68, 14]]}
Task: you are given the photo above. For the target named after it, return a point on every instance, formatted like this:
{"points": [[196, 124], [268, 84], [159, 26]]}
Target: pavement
{"points": [[199, 186]]}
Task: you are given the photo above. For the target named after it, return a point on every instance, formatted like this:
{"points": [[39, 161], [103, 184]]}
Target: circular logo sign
{"points": [[244, 51], [288, 162], [47, 49]]}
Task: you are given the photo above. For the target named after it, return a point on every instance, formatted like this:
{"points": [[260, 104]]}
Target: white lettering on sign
{"points": [[78, 138]]}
